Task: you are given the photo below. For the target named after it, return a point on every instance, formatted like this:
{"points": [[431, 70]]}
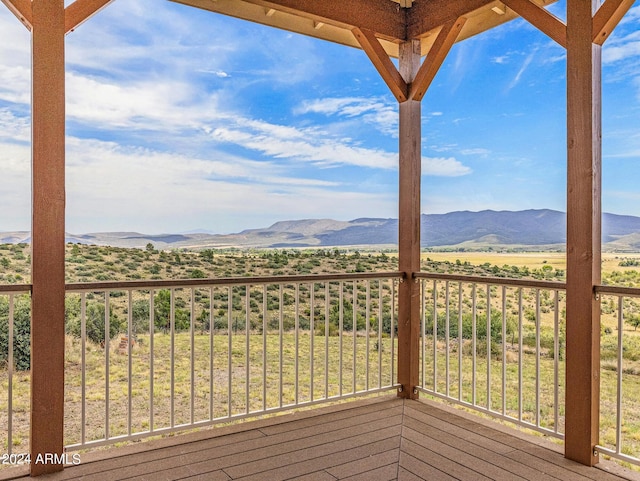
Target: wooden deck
{"points": [[375, 439]]}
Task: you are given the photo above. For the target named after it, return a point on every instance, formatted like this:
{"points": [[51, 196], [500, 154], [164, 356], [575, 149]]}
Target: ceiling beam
{"points": [[382, 63], [540, 18], [433, 61], [424, 17], [80, 11], [383, 17], [22, 10], [607, 17]]}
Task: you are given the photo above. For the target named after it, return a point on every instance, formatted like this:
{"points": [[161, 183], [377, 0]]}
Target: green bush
{"points": [[467, 325], [21, 332], [162, 312], [95, 325]]}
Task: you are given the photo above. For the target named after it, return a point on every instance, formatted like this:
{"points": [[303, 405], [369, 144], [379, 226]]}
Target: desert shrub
{"points": [[162, 312], [95, 325], [21, 332]]}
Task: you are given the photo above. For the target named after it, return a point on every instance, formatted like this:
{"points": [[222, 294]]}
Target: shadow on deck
{"points": [[383, 438]]}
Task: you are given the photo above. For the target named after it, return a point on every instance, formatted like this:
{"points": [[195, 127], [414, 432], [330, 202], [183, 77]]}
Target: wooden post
{"points": [[47, 236], [584, 144], [409, 227]]}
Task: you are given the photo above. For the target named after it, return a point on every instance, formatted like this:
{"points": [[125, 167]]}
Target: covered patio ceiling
{"points": [[392, 21]]}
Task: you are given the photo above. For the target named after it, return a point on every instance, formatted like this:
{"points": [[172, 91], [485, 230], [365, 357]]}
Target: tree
{"points": [[162, 312], [21, 332], [140, 316], [197, 274], [95, 325], [633, 320], [207, 255]]}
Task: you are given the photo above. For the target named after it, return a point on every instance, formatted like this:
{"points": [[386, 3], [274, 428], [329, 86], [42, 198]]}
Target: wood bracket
{"points": [[607, 18], [22, 10], [410, 89], [433, 61], [540, 18], [381, 61], [80, 11]]}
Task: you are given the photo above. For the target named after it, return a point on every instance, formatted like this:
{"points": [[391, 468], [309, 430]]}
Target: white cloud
{"points": [[622, 48], [15, 59], [444, 167], [476, 151], [142, 105], [15, 186], [15, 84], [632, 15], [13, 127], [116, 188], [145, 81], [381, 114], [301, 144], [523, 68]]}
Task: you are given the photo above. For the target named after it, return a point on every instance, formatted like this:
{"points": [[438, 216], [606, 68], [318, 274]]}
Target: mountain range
{"points": [[528, 229]]}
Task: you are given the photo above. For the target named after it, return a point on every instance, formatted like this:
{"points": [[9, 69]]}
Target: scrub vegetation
{"points": [[214, 309]]}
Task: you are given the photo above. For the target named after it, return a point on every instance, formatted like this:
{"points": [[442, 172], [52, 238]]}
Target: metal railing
{"points": [[14, 359], [149, 358], [620, 373], [495, 345]]}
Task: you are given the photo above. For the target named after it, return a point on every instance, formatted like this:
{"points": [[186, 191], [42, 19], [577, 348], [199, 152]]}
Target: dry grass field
{"points": [[92, 263]]}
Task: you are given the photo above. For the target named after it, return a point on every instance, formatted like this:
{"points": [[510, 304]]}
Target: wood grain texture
{"points": [[426, 16], [381, 439], [607, 17], [382, 63], [22, 10], [409, 226], [380, 16], [80, 11], [549, 24], [435, 57], [48, 237], [584, 214]]}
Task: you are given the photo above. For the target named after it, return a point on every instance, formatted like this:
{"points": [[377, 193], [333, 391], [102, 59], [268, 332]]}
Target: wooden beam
{"points": [[433, 61], [409, 227], [80, 11], [584, 219], [382, 62], [383, 17], [607, 18], [424, 16], [47, 234], [22, 10], [540, 18]]}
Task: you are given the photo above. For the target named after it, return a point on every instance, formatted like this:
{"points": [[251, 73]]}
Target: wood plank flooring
{"points": [[375, 439]]}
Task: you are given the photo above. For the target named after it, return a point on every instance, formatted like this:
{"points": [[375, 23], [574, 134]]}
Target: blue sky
{"points": [[180, 119]]}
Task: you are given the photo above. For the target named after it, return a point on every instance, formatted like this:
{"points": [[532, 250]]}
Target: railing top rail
{"points": [[15, 288], [500, 281], [617, 290], [293, 279]]}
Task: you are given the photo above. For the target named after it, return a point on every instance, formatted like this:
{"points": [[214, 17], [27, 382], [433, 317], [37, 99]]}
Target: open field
{"points": [[531, 260], [294, 385], [91, 263], [290, 379]]}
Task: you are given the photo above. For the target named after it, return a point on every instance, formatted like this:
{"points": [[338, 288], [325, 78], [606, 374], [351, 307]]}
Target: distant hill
{"points": [[527, 229]]}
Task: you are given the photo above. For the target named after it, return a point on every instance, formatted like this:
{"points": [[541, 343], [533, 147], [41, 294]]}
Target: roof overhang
{"points": [[393, 21]]}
